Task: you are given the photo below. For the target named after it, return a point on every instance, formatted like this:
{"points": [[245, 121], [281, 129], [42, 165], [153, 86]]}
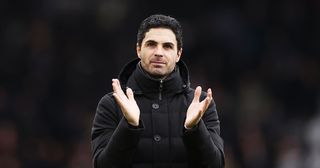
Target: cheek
{"points": [[144, 60]]}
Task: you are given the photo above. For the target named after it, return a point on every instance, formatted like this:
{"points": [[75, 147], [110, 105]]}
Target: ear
{"points": [[138, 50], [179, 55]]}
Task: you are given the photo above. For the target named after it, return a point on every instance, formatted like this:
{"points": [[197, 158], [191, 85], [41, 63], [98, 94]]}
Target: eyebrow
{"points": [[150, 41], [165, 43]]}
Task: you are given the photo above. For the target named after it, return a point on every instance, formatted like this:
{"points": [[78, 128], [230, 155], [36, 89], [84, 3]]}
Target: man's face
{"points": [[158, 52]]}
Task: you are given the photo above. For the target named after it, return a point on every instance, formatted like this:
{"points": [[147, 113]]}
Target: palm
{"points": [[197, 108], [127, 103]]}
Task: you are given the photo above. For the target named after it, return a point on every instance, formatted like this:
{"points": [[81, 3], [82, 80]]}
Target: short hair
{"points": [[160, 21]]}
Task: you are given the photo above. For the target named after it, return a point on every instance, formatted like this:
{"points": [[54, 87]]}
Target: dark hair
{"points": [[160, 21]]}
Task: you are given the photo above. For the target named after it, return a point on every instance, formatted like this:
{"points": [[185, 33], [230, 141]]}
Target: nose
{"points": [[159, 51]]}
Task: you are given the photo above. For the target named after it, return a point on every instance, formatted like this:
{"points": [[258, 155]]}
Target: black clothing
{"points": [[160, 140]]}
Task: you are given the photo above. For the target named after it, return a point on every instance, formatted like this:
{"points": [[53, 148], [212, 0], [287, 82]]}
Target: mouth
{"points": [[158, 63]]}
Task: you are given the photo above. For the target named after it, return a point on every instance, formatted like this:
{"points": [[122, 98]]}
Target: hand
{"points": [[127, 103], [196, 108]]}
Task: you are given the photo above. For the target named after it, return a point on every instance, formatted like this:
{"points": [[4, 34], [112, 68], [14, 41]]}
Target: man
{"points": [[153, 118]]}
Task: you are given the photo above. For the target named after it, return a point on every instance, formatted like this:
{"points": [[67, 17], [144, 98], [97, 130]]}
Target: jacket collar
{"points": [[134, 77]]}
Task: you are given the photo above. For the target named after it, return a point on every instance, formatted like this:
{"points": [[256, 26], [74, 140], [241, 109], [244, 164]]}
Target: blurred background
{"points": [[57, 59]]}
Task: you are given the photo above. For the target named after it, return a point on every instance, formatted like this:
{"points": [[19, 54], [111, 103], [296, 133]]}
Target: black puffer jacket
{"points": [[160, 140]]}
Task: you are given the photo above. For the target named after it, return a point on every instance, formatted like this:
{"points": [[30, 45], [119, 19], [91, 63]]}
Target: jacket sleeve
{"points": [[113, 140], [203, 142]]}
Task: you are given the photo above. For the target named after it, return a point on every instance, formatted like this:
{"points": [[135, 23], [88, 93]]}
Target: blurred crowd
{"points": [[261, 58]]}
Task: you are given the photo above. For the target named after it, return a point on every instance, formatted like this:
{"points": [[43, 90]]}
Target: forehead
{"points": [[160, 35]]}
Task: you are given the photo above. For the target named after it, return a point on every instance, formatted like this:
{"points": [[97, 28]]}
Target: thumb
{"points": [[129, 93]]}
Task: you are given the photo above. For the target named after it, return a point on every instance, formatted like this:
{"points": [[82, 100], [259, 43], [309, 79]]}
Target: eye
{"points": [[168, 46], [151, 44]]}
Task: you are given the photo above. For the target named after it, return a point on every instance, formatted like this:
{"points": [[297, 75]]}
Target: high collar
{"points": [[141, 83]]}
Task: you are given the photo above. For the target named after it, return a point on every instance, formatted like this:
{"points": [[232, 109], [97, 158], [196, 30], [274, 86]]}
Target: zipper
{"points": [[160, 89]]}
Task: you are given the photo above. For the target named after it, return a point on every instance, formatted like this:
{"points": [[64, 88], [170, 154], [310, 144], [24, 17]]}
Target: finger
{"points": [[207, 100], [117, 88], [197, 94], [130, 94], [209, 94], [117, 98], [118, 83]]}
